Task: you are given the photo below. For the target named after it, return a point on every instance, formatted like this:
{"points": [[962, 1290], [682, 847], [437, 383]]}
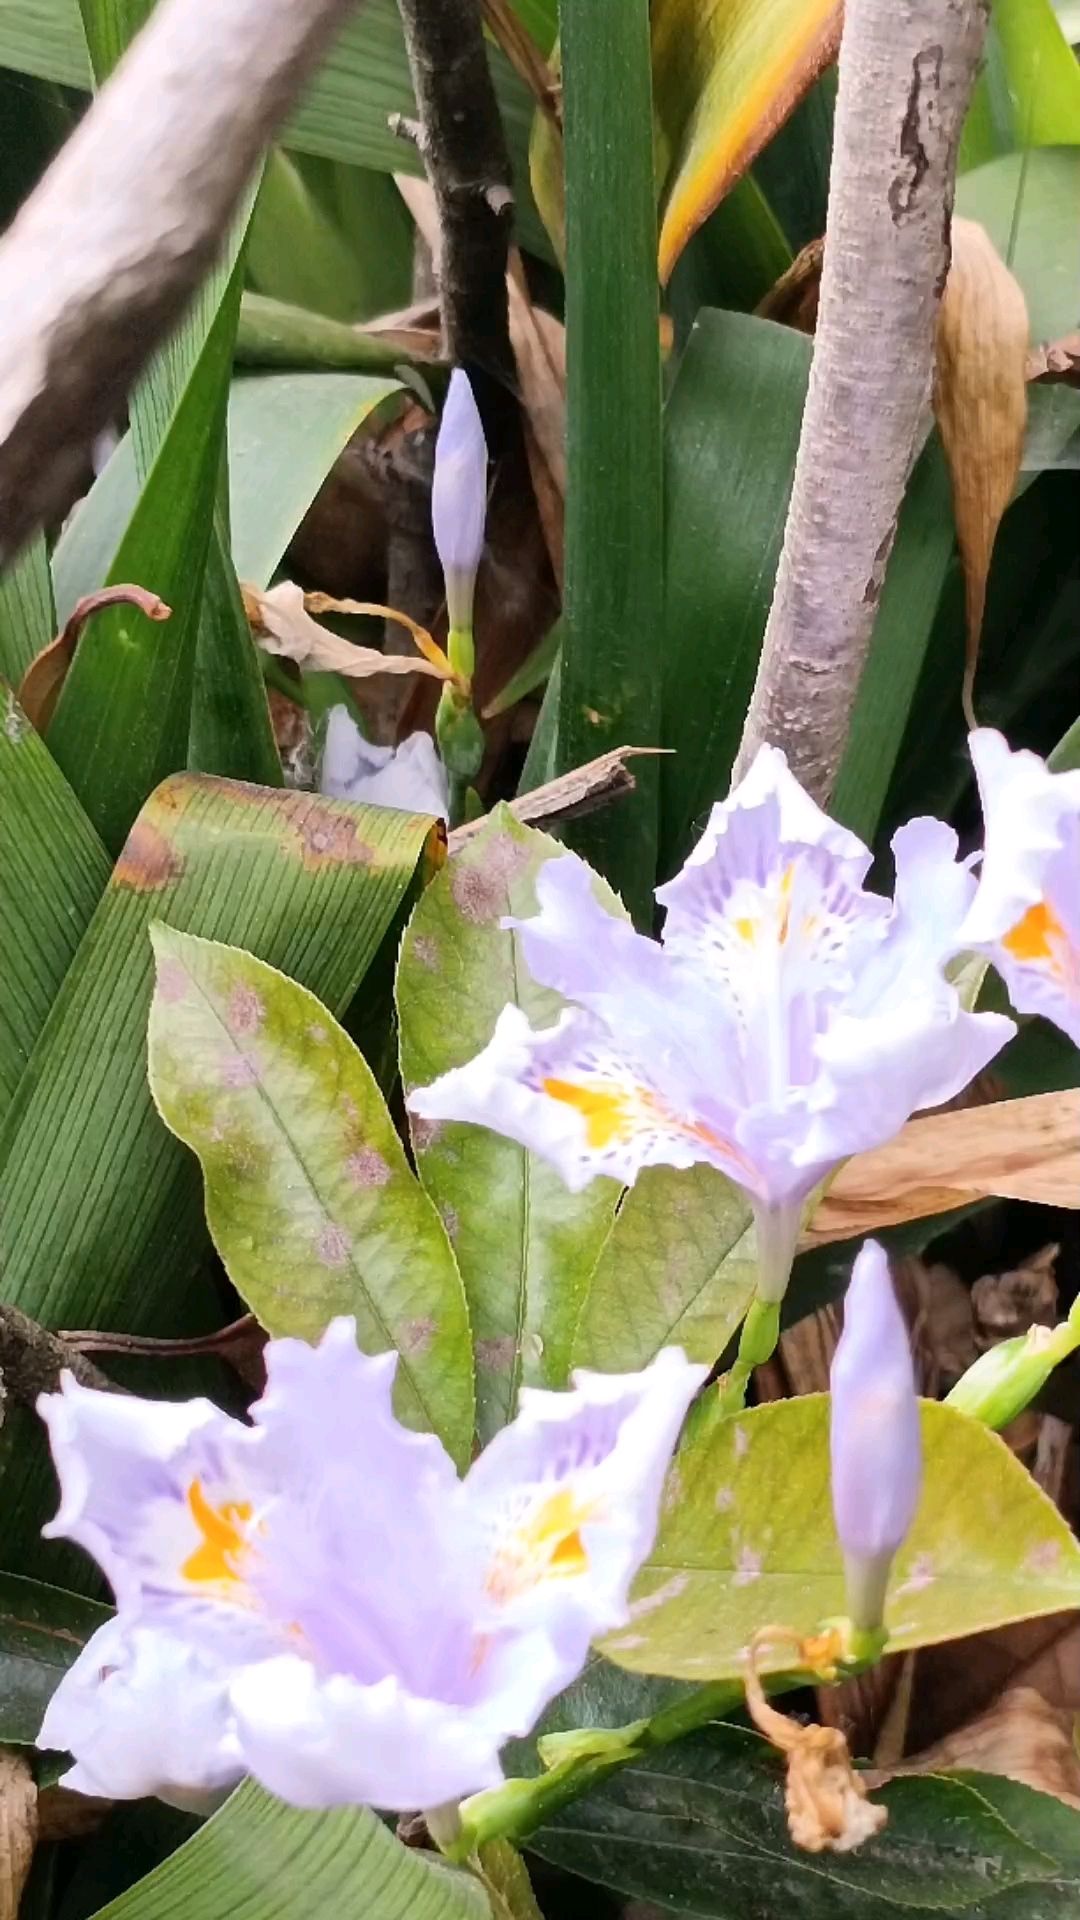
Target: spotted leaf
{"points": [[749, 1539], [309, 1196]]}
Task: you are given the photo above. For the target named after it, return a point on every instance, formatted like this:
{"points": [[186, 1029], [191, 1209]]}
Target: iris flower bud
{"points": [[459, 504], [1006, 1379], [876, 1441]]}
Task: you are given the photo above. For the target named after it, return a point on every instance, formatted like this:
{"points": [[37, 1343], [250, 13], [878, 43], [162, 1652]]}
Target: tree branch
{"points": [[907, 68], [464, 150], [32, 1360], [105, 254]]}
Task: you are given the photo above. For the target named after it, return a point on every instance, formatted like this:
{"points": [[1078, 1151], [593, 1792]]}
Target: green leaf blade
{"points": [[101, 1217], [702, 1827], [309, 1197], [259, 1860], [524, 1243], [679, 1268], [42, 1632], [53, 870], [610, 684], [123, 716]]}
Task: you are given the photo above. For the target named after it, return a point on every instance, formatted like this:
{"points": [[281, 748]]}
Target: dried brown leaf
{"points": [[44, 677], [961, 1679], [1021, 1737], [1015, 1149], [980, 403], [18, 1828], [282, 625], [1057, 363]]}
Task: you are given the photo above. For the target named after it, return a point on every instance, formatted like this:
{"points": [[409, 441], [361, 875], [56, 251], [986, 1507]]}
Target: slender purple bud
{"points": [[459, 498], [876, 1440]]}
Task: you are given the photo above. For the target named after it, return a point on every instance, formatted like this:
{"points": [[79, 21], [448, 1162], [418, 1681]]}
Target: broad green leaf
{"points": [[229, 726], [259, 1860], [725, 76], [701, 1827], [53, 870], [42, 1631], [1027, 202], [610, 683], [27, 614], [123, 716], [748, 1538], [83, 555], [101, 1216], [285, 432], [732, 261], [731, 432], [230, 732], [335, 239], [1028, 92], [296, 252], [679, 1269], [309, 1197], [273, 334], [524, 1243]]}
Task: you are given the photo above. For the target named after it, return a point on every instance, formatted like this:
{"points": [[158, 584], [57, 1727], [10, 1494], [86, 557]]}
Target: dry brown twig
{"points": [[102, 259]]}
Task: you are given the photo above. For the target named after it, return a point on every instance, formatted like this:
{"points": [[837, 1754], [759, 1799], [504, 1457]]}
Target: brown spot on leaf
{"points": [[333, 1245], [416, 1337], [367, 1168], [424, 1132], [480, 880], [329, 837], [149, 859], [172, 981], [426, 951], [451, 1222], [496, 1356], [246, 1011], [239, 1070]]}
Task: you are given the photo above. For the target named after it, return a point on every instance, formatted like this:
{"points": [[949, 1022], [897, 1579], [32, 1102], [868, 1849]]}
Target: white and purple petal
{"points": [[145, 1713], [565, 1501]]}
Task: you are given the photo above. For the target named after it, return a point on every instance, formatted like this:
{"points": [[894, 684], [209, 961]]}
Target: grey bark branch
{"points": [[104, 256], [465, 153], [907, 68], [32, 1360]]}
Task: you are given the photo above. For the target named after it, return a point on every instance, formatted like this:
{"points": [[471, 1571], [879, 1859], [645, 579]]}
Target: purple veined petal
{"points": [[1026, 912], [564, 1502], [459, 496], [876, 1444], [799, 819], [153, 1491], [145, 1713], [877, 1070], [327, 1741], [585, 1102]]}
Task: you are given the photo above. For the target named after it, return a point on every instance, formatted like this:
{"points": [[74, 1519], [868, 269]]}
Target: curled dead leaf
{"points": [[1021, 1737], [980, 403], [793, 300], [1014, 1149], [282, 624], [18, 1828], [44, 677], [826, 1800], [1057, 363]]}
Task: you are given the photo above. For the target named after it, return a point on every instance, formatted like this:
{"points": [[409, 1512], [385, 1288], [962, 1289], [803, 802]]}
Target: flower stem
{"points": [[757, 1343]]}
